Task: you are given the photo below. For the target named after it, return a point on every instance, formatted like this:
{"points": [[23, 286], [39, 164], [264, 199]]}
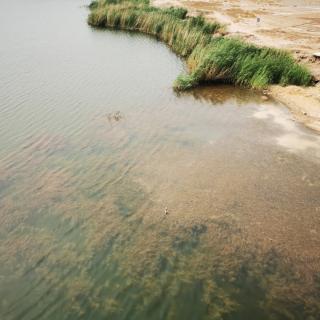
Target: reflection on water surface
{"points": [[94, 147]]}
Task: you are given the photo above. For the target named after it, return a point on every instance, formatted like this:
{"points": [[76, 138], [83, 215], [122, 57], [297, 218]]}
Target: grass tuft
{"points": [[185, 82]]}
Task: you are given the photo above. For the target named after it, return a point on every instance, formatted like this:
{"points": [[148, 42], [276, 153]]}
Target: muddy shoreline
{"points": [[290, 25]]}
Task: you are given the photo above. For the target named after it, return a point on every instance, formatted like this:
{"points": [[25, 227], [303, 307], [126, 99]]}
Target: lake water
{"points": [[120, 199]]}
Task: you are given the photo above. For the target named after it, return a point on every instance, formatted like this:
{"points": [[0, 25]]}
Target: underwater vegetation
{"points": [[96, 251], [208, 58]]}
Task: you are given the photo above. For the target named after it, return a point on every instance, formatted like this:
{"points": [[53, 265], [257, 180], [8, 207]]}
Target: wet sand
{"points": [[304, 103], [290, 25]]}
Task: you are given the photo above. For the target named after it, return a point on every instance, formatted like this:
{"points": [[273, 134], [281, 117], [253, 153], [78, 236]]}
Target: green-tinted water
{"points": [[95, 146]]}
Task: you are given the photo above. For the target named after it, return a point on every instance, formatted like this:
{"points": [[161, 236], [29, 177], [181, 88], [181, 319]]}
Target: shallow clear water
{"points": [[95, 146]]}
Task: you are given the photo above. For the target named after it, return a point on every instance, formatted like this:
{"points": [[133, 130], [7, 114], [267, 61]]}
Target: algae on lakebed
{"points": [[208, 58], [72, 247]]}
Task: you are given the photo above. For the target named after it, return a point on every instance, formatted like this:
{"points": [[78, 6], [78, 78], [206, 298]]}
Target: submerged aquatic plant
{"points": [[208, 58]]}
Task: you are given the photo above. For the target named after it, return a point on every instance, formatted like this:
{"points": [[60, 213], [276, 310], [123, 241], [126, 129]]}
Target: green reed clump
{"points": [[245, 64], [208, 58], [168, 25], [95, 3], [186, 81], [179, 13]]}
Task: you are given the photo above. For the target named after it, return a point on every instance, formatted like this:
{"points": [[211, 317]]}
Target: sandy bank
{"points": [[303, 102], [293, 25]]}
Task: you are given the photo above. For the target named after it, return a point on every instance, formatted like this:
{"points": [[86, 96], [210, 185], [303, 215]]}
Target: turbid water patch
{"points": [[83, 228]]}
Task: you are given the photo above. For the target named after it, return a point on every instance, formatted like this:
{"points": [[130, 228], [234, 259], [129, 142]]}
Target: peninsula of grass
{"points": [[209, 57]]}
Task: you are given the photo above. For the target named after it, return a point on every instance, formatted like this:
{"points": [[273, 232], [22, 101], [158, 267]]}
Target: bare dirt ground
{"points": [[293, 25]]}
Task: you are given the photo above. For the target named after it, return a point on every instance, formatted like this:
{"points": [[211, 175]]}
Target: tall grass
{"points": [[208, 58]]}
